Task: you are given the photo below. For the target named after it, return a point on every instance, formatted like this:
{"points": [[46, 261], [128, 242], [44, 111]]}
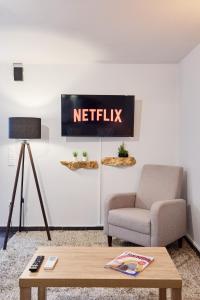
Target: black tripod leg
{"points": [[13, 196], [39, 193], [21, 198]]}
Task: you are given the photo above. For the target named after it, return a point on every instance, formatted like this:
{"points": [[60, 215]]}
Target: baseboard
{"points": [[42, 228], [193, 244]]}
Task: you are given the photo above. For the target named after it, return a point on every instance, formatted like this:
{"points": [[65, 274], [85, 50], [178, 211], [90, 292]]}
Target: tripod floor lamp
{"points": [[24, 129]]}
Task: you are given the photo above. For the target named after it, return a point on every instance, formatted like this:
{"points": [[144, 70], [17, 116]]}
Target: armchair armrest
{"points": [[168, 221], [115, 201]]}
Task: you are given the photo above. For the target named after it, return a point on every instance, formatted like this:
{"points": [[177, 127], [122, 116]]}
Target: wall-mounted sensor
{"points": [[18, 71]]}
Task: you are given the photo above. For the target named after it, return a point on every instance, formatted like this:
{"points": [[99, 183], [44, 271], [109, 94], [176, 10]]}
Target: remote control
{"points": [[51, 262], [37, 263]]}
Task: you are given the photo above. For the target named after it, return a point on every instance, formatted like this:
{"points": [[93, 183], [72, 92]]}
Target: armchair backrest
{"points": [[158, 183]]}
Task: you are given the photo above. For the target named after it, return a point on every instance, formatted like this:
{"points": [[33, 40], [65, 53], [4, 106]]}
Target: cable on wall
{"points": [[100, 181]]}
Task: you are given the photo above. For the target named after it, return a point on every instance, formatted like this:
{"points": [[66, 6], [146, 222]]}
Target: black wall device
{"points": [[18, 71], [97, 115]]}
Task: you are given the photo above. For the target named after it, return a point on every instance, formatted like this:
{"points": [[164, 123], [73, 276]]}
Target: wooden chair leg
{"points": [[180, 243], [109, 241]]}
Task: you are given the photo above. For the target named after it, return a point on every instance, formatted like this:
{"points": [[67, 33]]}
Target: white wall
{"points": [[76, 198], [190, 138]]}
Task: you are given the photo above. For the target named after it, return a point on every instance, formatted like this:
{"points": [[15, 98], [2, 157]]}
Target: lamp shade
{"points": [[24, 128]]}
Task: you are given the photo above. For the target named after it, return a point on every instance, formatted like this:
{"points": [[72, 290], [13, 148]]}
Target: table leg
{"points": [[162, 294], [25, 293], [42, 293], [176, 294]]}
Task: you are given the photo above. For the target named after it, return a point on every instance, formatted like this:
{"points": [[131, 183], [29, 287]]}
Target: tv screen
{"points": [[97, 115]]}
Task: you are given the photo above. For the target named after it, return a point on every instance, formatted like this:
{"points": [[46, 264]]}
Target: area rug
{"points": [[22, 246]]}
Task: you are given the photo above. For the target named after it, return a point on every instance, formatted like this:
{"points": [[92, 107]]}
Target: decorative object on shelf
{"points": [[24, 129], [75, 156], [119, 161], [122, 152], [84, 156], [93, 164]]}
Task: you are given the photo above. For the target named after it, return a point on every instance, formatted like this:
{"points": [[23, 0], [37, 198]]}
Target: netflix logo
{"points": [[91, 114]]}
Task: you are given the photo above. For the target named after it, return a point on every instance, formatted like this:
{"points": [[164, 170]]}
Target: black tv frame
{"points": [[126, 103]]}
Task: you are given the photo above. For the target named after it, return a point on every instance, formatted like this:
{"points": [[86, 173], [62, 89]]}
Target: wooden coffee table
{"points": [[84, 267]]}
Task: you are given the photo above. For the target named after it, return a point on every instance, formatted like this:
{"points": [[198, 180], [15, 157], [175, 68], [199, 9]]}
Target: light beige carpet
{"points": [[22, 245]]}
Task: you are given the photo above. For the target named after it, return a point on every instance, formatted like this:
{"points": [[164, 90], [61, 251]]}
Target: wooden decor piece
{"points": [[119, 161], [74, 165]]}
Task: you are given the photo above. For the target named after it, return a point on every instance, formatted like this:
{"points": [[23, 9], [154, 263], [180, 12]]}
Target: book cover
{"points": [[130, 263]]}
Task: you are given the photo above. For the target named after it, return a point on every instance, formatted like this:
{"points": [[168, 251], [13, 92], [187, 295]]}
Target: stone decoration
{"points": [[74, 165], [119, 161]]}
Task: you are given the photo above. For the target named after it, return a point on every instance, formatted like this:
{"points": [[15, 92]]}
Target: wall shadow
{"points": [[45, 133]]}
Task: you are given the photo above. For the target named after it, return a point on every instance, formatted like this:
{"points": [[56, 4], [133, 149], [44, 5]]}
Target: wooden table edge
{"points": [[107, 283]]}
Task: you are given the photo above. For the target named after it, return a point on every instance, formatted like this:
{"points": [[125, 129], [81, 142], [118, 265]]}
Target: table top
{"points": [[84, 267]]}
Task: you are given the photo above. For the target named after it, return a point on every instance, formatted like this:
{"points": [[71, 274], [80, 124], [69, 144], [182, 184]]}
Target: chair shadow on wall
{"points": [[185, 195], [137, 120]]}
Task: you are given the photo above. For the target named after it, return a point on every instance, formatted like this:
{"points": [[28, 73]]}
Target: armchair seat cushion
{"points": [[135, 219]]}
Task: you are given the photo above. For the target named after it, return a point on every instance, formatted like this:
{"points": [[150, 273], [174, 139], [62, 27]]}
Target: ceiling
{"points": [[102, 31]]}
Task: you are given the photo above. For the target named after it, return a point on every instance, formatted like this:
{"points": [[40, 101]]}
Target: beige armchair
{"points": [[155, 215]]}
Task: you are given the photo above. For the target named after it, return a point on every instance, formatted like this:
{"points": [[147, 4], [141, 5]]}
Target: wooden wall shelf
{"points": [[119, 161], [74, 165]]}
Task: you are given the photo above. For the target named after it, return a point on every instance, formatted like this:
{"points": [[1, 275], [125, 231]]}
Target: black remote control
{"points": [[37, 263]]}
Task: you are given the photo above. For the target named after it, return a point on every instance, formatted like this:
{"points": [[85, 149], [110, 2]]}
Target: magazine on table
{"points": [[130, 263]]}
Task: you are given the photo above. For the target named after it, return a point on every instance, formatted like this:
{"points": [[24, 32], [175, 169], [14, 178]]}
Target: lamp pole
{"points": [[22, 197]]}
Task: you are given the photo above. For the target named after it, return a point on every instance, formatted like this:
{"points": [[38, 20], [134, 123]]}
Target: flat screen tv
{"points": [[97, 115]]}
